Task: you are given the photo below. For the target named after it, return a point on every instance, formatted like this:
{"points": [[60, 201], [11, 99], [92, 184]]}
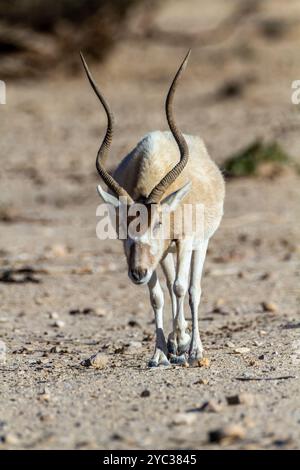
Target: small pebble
{"points": [[242, 350], [58, 324], [269, 307], [44, 395], [134, 345], [54, 316], [10, 439], [227, 434], [98, 361], [100, 312], [184, 419], [201, 382], [204, 362], [2, 352], [240, 399], [145, 393]]}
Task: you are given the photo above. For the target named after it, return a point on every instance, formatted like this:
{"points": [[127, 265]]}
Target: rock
{"points": [[261, 357], [134, 345], [262, 333], [54, 316], [98, 361], [269, 307], [211, 406], [45, 417], [204, 362], [145, 393], [44, 395], [201, 382], [227, 434], [242, 350], [2, 352], [240, 399], [58, 251], [184, 419], [58, 324], [230, 344], [100, 312], [10, 439]]}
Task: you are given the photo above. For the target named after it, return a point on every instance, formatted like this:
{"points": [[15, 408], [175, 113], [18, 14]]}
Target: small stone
{"points": [[83, 270], [184, 419], [145, 393], [10, 439], [201, 382], [269, 307], [219, 303], [240, 399], [2, 352], [230, 344], [98, 361], [262, 333], [58, 324], [58, 251], [100, 312], [45, 395], [54, 316], [134, 345], [227, 434], [261, 357], [242, 350], [45, 417], [204, 362]]}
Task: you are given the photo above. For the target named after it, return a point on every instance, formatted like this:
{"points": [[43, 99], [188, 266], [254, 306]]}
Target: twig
{"points": [[282, 377]]}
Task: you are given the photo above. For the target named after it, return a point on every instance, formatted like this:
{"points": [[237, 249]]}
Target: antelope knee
{"points": [[194, 294], [157, 298], [180, 287]]}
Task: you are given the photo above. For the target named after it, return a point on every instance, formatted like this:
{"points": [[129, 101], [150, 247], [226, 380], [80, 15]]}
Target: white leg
{"points": [[157, 302], [198, 258], [179, 340], [168, 267]]}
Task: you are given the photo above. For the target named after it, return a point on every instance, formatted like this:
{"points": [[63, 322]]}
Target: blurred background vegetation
{"points": [[35, 37]]}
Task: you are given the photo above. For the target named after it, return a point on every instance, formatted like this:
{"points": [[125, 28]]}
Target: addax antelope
{"points": [[164, 169]]}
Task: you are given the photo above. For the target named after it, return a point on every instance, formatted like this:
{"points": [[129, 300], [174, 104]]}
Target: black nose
{"points": [[138, 273]]}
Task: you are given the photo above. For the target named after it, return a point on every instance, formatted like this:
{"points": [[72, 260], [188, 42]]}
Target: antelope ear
{"points": [[108, 198], [171, 202]]}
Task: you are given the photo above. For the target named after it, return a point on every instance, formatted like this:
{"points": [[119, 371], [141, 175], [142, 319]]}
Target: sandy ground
{"points": [[50, 131]]}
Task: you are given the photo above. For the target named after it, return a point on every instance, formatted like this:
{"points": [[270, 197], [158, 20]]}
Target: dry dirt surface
{"points": [[65, 295]]}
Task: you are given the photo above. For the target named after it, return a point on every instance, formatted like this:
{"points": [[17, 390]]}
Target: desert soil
{"points": [[50, 131]]}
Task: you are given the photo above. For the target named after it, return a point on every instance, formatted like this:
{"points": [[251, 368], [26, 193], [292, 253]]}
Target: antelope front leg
{"points": [[157, 301], [198, 258], [168, 267], [179, 339]]}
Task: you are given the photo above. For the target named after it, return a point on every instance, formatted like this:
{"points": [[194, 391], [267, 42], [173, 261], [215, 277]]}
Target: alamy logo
{"points": [[2, 92]]}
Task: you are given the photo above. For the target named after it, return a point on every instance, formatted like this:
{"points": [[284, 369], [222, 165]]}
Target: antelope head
{"points": [[144, 247]]}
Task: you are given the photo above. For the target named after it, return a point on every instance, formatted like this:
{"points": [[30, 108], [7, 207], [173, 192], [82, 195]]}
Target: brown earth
{"points": [[50, 131]]}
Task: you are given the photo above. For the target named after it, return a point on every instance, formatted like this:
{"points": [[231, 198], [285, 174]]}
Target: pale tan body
{"points": [[138, 173], [155, 155]]}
